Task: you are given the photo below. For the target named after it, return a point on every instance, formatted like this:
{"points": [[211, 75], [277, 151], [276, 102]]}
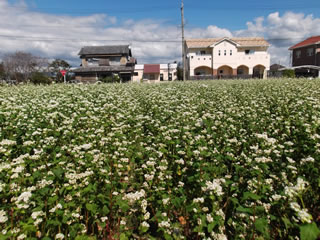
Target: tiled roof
{"points": [[307, 42], [151, 68], [104, 69], [275, 67], [242, 42], [99, 50]]}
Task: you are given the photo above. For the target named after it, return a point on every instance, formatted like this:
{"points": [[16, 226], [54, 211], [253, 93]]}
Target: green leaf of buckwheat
{"points": [[309, 232]]}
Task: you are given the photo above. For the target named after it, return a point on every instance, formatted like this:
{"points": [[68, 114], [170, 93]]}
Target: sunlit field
{"points": [[237, 159]]}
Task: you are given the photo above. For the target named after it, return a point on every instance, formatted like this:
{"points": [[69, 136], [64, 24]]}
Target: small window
{"points": [[200, 53], [298, 54], [161, 77], [170, 76], [191, 57], [219, 53], [135, 74], [221, 71], [204, 58], [225, 52], [247, 51], [230, 52], [310, 52]]}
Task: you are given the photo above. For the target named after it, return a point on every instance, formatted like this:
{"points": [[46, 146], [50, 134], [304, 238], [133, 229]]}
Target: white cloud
{"points": [[282, 32], [55, 36]]}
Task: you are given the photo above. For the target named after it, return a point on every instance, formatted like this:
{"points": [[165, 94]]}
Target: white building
{"points": [[155, 72], [227, 57]]}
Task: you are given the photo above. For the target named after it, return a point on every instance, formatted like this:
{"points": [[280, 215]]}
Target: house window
{"points": [[200, 53], [161, 77], [170, 76], [114, 60], [298, 54], [310, 52], [225, 52], [135, 74], [247, 51], [230, 52], [191, 57], [219, 53], [221, 71]]}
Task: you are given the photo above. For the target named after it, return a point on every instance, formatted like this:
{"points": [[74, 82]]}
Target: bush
{"points": [[110, 79], [39, 78], [289, 73]]}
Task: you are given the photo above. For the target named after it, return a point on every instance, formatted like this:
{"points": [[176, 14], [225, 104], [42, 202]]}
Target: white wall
{"points": [[257, 56], [163, 70], [230, 60]]}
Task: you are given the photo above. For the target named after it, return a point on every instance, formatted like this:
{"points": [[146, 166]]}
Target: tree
{"points": [[40, 78], [20, 65], [2, 72], [180, 71], [56, 66]]}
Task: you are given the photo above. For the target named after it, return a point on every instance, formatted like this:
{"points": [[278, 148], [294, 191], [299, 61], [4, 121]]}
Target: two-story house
{"points": [[105, 61], [227, 58], [306, 57]]}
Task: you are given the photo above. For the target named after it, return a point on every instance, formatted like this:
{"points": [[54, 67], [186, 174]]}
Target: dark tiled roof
{"points": [[104, 69], [151, 68], [108, 50], [307, 42], [275, 67]]}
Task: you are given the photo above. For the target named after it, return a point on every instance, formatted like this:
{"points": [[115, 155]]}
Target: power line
{"points": [[31, 38], [169, 7], [35, 38], [151, 8]]}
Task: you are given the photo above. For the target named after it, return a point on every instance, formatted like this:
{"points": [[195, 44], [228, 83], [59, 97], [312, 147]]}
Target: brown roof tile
{"points": [[243, 42], [151, 68], [307, 42]]}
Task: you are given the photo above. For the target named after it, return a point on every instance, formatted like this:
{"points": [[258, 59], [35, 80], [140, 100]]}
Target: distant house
{"points": [[155, 72], [227, 58], [275, 70], [105, 61], [306, 57]]}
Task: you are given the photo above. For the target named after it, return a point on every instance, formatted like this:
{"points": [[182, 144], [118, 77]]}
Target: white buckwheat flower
{"points": [[60, 236], [3, 216]]}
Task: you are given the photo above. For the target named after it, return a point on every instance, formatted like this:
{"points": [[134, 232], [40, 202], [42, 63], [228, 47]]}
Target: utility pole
{"points": [[183, 50]]}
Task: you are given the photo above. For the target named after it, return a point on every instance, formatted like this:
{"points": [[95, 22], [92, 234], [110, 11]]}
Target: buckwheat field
{"points": [[192, 160]]}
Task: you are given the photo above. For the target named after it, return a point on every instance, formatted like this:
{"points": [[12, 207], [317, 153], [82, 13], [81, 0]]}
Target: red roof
{"points": [[307, 42], [151, 68]]}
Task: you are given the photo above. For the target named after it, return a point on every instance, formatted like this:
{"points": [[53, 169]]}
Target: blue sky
{"points": [[231, 14], [56, 28]]}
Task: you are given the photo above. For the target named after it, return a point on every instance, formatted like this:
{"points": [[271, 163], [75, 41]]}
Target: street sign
{"points": [[63, 72]]}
